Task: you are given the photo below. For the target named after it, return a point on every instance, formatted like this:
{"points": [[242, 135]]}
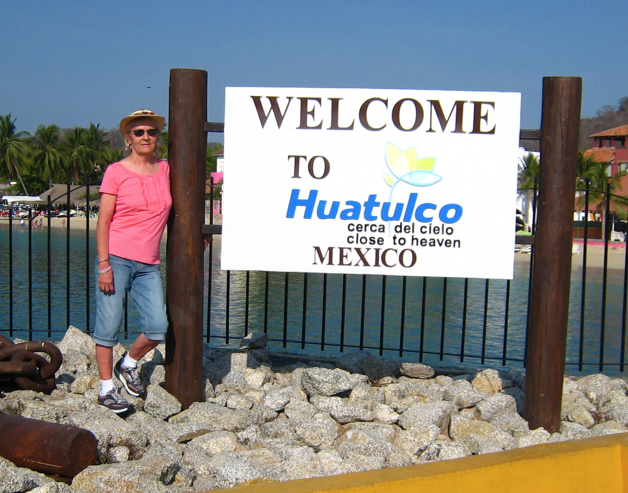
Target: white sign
{"points": [[370, 181]]}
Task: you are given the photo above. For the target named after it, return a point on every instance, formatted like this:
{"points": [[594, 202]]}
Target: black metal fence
{"points": [[46, 285]]}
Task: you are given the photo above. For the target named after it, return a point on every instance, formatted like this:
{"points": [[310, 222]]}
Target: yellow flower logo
{"points": [[407, 167]]}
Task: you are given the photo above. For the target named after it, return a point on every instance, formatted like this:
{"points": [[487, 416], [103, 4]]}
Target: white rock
{"points": [[495, 405], [160, 403], [607, 426], [416, 370], [574, 430], [416, 439], [319, 432], [488, 381], [216, 442], [510, 422], [534, 437], [479, 436], [431, 413], [258, 424], [323, 381], [443, 380], [239, 401], [442, 450], [385, 414], [342, 410], [595, 387]]}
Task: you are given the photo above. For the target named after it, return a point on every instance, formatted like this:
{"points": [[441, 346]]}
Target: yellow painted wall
{"points": [[589, 466]]}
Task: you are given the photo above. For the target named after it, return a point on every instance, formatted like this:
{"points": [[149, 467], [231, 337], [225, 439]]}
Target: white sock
{"points": [[106, 386], [129, 362]]}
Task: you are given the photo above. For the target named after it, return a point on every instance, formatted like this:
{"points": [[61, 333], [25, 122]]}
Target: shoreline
{"points": [[595, 256], [76, 222]]}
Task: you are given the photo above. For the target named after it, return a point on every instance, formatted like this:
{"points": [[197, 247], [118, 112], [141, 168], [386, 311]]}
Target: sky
{"points": [[73, 63]]}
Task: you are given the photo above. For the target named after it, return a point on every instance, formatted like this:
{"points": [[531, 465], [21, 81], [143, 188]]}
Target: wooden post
{"points": [[549, 303], [184, 265]]}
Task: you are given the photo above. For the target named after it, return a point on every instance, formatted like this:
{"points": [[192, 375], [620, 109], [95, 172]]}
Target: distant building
{"points": [[609, 148], [220, 160]]}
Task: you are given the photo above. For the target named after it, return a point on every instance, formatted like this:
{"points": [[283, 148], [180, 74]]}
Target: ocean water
{"points": [[428, 320]]}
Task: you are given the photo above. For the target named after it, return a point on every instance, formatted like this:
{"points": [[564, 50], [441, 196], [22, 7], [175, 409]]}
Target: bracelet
{"points": [[103, 260], [104, 270]]}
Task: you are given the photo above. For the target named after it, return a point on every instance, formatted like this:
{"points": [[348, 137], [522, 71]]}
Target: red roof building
{"points": [[609, 147]]}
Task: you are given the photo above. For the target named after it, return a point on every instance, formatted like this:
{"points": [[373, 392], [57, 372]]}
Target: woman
{"points": [[134, 207]]}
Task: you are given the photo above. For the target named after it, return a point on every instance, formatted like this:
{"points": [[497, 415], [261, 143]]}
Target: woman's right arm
{"points": [[107, 208]]}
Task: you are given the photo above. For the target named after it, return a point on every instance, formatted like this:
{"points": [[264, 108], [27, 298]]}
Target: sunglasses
{"points": [[153, 132]]}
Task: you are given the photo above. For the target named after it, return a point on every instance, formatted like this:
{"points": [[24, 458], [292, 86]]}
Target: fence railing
{"points": [[46, 285]]}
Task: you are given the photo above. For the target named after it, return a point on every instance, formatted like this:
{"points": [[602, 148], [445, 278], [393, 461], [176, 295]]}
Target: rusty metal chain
{"points": [[28, 369]]}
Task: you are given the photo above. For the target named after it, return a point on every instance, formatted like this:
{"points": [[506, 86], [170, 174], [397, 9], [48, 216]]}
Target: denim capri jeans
{"points": [[144, 283]]}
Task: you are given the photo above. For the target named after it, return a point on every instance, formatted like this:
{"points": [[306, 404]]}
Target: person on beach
{"points": [[134, 207]]}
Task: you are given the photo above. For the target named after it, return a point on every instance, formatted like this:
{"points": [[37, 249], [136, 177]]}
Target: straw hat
{"points": [[159, 120]]}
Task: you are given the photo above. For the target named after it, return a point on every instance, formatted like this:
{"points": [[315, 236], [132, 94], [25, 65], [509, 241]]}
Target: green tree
{"points": [[600, 184], [210, 160], [607, 117], [47, 159], [529, 168], [162, 150], [586, 165], [14, 150], [33, 182], [98, 148], [113, 156], [76, 154]]}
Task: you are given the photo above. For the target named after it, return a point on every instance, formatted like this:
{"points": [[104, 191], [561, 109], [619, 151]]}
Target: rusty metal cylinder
{"points": [[46, 447]]}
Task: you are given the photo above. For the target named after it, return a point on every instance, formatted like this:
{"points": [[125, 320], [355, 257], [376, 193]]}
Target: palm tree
{"points": [[98, 148], [13, 149], [114, 156], [585, 165], [162, 150], [599, 186], [47, 157], [76, 153], [529, 168]]}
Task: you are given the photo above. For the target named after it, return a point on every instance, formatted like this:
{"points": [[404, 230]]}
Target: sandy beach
{"points": [[76, 222], [595, 255]]}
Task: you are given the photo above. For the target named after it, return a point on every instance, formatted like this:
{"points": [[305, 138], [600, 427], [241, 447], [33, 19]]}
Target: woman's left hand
{"points": [[207, 239]]}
